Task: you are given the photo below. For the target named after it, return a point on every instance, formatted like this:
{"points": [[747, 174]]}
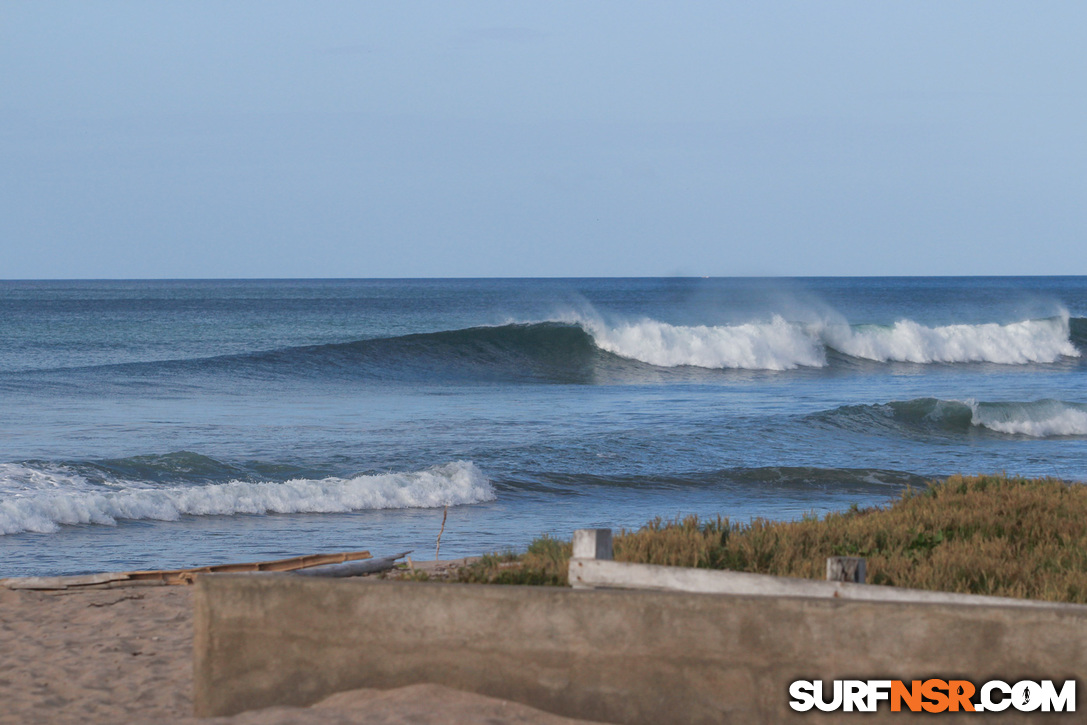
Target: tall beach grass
{"points": [[996, 535]]}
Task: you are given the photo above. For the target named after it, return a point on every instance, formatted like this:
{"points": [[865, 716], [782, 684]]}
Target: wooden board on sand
{"points": [[177, 576]]}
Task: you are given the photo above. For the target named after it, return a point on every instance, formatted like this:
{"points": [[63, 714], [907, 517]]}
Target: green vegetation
{"points": [[996, 535]]}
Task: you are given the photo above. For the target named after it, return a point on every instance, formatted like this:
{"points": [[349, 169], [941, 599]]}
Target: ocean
{"points": [[160, 424]]}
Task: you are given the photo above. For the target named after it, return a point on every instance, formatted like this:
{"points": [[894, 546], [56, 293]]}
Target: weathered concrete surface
{"points": [[612, 656], [603, 574]]}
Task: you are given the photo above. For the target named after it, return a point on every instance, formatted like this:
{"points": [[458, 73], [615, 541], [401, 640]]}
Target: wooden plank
{"points": [[187, 576], [180, 576]]}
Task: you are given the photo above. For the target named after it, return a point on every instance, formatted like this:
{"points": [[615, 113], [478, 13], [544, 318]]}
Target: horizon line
{"points": [[547, 277]]}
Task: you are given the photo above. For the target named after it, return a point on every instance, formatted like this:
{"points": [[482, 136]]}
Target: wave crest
{"points": [[44, 500], [1040, 419], [586, 349], [1017, 343], [777, 345], [783, 345], [1035, 419]]}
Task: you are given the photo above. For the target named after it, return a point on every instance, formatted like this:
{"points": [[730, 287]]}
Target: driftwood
{"points": [[354, 568]]}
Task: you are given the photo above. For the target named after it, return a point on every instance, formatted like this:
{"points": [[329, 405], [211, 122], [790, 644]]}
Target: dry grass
{"points": [[997, 535]]}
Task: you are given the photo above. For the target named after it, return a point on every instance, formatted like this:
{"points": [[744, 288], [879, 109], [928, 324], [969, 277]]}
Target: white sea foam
{"points": [[1043, 419], [41, 501], [1017, 343], [774, 345], [783, 345]]}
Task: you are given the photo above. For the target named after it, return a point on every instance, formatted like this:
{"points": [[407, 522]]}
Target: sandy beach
{"points": [[96, 656], [125, 656]]}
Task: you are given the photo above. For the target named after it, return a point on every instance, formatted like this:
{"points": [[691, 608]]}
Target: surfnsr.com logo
{"points": [[933, 696]]}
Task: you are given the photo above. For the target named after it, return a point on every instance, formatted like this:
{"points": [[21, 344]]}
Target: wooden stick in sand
{"points": [[438, 548]]}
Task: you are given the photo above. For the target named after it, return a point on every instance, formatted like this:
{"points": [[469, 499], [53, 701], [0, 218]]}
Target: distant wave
{"points": [[1037, 419], [587, 350], [551, 351], [41, 499]]}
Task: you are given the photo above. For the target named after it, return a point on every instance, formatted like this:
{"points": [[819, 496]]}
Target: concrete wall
{"points": [[615, 656]]}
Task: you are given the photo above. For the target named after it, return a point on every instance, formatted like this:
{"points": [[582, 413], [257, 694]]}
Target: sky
{"points": [[480, 139]]}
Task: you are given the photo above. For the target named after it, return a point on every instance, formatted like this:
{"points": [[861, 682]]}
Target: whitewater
{"points": [[40, 501], [782, 345], [1039, 419]]}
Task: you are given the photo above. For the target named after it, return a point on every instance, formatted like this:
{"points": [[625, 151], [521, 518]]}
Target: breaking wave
{"points": [[1037, 419], [776, 345], [41, 499], [1041, 419], [586, 350], [1018, 343], [782, 345]]}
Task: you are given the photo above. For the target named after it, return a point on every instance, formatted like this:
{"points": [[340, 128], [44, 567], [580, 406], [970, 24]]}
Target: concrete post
{"points": [[592, 544], [846, 569]]}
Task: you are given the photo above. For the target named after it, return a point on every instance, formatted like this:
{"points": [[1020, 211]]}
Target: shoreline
{"points": [[119, 649]]}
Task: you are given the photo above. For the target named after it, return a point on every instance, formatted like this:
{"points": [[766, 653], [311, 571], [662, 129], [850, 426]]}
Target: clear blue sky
{"points": [[405, 139]]}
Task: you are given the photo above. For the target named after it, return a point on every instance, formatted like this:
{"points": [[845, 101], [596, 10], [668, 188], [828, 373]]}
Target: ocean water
{"points": [[153, 424]]}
